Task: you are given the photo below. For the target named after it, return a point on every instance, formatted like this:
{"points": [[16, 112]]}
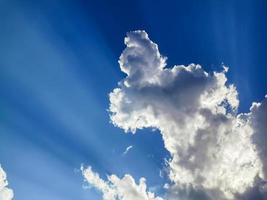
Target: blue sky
{"points": [[58, 63]]}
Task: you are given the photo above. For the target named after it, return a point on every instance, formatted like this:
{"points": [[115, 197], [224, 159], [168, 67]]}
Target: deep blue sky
{"points": [[58, 62]]}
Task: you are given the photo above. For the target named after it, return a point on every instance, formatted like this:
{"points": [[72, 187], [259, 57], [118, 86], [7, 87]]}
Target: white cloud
{"points": [[127, 150], [258, 120], [215, 152], [211, 146], [5, 192], [115, 188]]}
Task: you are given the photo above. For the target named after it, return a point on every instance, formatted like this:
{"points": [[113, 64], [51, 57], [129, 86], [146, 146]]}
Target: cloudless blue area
{"points": [[58, 62]]}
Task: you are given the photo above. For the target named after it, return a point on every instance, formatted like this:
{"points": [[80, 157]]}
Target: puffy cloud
{"points": [[215, 152], [258, 120], [5, 193], [115, 188]]}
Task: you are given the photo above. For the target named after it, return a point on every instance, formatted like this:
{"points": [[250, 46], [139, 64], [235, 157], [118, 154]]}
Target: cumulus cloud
{"points": [[258, 120], [214, 151], [115, 188], [5, 192]]}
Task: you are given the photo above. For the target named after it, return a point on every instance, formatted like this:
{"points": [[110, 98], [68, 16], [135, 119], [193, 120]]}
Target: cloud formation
{"points": [[115, 188], [5, 192], [215, 152]]}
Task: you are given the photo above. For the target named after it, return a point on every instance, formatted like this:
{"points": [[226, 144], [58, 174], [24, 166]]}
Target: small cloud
{"points": [[127, 150], [115, 188]]}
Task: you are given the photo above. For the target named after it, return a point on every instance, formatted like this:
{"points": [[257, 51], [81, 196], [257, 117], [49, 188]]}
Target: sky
{"points": [[59, 68]]}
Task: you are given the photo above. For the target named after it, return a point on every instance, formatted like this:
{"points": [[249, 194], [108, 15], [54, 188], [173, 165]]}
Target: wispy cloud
{"points": [[127, 150], [119, 188]]}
